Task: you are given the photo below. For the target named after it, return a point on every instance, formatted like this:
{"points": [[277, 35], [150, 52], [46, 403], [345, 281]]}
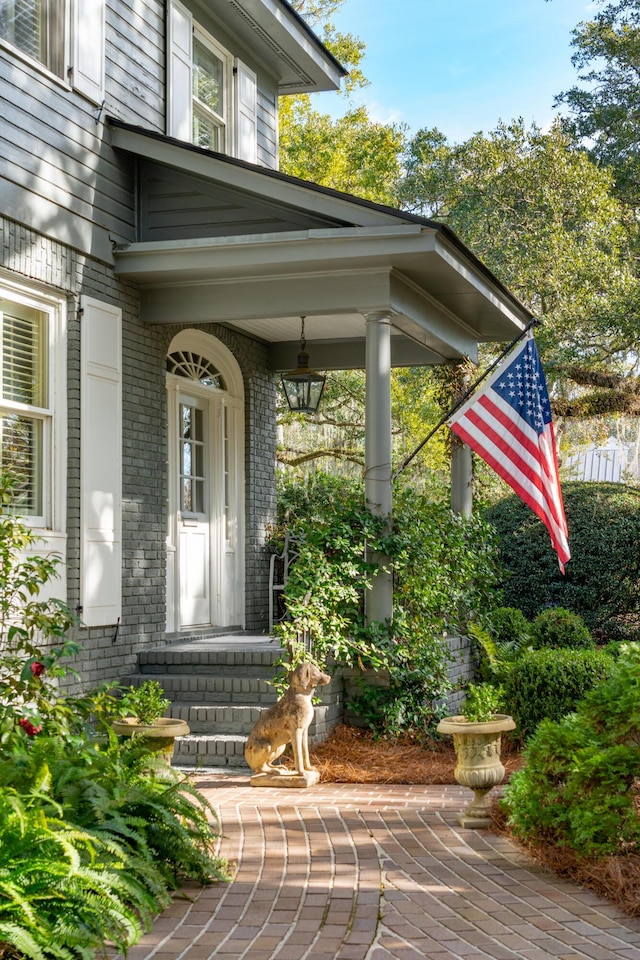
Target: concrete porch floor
{"points": [[376, 872]]}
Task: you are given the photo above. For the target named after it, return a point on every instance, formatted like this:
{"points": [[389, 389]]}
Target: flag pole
{"points": [[405, 463]]}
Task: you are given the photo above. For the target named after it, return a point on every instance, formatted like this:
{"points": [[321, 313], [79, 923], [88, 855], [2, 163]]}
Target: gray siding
{"points": [[177, 206], [59, 173], [135, 65], [267, 126]]}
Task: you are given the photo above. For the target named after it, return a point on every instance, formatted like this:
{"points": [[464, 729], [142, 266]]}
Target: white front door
{"points": [[205, 556], [194, 515]]}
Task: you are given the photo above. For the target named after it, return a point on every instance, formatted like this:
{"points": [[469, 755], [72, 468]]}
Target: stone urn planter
{"points": [[147, 703], [478, 766], [159, 735]]}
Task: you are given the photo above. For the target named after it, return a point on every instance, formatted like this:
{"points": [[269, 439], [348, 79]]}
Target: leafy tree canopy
{"points": [[605, 106], [544, 219]]}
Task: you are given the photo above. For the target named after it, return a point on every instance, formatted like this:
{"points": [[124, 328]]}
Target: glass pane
{"points": [[194, 366], [227, 503], [185, 416], [186, 459], [208, 78], [34, 26], [198, 421], [198, 496], [23, 372], [198, 464], [187, 499], [21, 453], [206, 133]]}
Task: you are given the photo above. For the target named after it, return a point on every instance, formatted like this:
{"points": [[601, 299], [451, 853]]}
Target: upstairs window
{"points": [[211, 98], [66, 37], [36, 28], [211, 76]]}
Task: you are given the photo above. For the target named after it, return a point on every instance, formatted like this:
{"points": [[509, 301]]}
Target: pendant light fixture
{"points": [[303, 387]]}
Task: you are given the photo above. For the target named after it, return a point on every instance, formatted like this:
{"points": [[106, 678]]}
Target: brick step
{"points": [[205, 688], [217, 719], [205, 659], [223, 750]]}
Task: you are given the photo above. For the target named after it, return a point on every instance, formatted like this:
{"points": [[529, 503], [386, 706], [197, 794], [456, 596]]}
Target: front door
{"points": [[205, 557], [194, 515]]}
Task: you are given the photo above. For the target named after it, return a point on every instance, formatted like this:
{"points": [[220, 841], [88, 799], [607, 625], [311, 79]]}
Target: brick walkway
{"points": [[377, 873]]}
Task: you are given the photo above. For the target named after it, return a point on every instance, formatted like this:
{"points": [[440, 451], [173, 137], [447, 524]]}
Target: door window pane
{"points": [[192, 459]]}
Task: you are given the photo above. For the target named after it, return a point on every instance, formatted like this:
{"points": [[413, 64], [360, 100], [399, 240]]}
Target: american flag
{"points": [[508, 423]]}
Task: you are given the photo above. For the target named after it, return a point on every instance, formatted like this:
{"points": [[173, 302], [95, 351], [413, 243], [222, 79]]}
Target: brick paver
{"points": [[377, 872]]}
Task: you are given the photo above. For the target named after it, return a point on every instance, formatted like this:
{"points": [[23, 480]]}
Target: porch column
{"points": [[378, 487], [461, 478], [461, 465]]}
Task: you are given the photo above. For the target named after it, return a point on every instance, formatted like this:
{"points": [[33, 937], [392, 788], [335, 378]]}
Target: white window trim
{"points": [[54, 478]]}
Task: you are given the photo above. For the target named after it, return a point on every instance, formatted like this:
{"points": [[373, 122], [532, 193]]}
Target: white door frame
{"points": [[225, 474]]}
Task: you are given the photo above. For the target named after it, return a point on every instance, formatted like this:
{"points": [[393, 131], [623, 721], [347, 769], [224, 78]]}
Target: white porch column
{"points": [[461, 479], [461, 466], [378, 487]]}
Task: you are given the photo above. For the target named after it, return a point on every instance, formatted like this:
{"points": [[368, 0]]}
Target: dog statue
{"points": [[287, 721]]}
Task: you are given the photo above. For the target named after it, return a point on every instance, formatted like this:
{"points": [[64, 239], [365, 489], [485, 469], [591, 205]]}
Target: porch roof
{"points": [[272, 248]]}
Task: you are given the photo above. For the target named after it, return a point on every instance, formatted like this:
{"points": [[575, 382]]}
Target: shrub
{"points": [[444, 570], [602, 580], [506, 634], [577, 789], [558, 629], [482, 703], [509, 627], [548, 684]]}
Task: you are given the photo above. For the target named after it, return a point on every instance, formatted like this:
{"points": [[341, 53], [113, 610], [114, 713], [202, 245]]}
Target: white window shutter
{"points": [[87, 48], [179, 69], [246, 104], [100, 463]]}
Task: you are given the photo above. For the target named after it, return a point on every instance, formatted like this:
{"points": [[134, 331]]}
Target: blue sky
{"points": [[463, 65]]}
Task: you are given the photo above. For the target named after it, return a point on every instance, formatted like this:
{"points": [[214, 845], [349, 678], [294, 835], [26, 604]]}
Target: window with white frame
{"points": [[65, 37], [32, 430], [36, 27], [211, 74], [212, 96]]}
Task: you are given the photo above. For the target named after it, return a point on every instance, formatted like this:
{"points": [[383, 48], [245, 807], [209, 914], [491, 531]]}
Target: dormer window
{"points": [[212, 96]]}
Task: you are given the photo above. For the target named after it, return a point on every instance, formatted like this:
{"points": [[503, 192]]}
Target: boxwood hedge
{"points": [[602, 580]]}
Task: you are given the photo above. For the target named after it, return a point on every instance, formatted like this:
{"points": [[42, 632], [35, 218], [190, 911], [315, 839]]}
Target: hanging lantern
{"points": [[303, 387]]}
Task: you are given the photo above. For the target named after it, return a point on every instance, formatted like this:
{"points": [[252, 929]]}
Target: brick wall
{"points": [[107, 654]]}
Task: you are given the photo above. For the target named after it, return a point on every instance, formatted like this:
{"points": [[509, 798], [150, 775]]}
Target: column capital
{"points": [[380, 316]]}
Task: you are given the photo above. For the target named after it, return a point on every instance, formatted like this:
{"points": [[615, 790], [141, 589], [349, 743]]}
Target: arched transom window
{"points": [[193, 366]]}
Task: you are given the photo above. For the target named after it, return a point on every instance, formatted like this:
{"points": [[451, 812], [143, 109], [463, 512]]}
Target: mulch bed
{"points": [[350, 755]]}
